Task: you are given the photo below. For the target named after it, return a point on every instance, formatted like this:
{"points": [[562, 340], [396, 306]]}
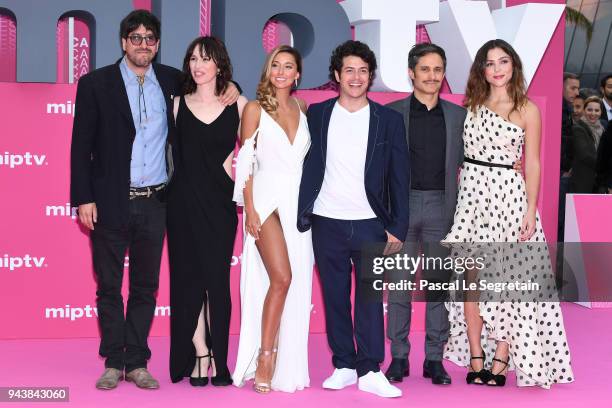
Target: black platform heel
{"points": [[499, 379], [483, 375], [223, 377], [200, 381]]}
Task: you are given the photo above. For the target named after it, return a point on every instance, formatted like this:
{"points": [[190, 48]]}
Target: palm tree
{"points": [[575, 17]]}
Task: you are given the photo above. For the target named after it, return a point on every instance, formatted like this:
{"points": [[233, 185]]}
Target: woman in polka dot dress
{"points": [[496, 204]]}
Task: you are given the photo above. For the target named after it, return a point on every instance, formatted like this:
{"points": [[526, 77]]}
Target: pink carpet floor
{"points": [[73, 363]]}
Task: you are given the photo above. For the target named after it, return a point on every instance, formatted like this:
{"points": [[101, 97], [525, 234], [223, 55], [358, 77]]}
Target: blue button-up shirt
{"points": [[148, 166]]}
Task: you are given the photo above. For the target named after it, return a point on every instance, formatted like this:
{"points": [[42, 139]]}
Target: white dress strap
{"points": [[246, 166]]}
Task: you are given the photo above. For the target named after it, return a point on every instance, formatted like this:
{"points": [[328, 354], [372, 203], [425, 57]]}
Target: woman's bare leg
{"points": [[199, 342], [474, 323], [273, 250]]}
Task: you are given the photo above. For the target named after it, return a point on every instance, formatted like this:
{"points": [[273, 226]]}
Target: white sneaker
{"points": [[377, 383], [342, 377]]}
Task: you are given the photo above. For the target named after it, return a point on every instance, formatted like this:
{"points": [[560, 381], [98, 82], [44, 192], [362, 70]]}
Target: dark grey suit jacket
{"points": [[582, 180], [454, 118]]}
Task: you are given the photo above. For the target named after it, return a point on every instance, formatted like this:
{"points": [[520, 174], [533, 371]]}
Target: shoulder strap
{"points": [[255, 136], [179, 110], [246, 166], [297, 103]]}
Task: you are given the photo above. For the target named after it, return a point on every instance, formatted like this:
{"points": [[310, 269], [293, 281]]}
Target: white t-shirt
{"points": [[343, 194]]}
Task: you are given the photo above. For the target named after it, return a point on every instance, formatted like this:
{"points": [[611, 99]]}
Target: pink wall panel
{"points": [[54, 275]]}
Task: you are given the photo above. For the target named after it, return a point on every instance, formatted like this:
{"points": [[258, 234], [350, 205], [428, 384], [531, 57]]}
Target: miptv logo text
{"points": [[61, 211], [73, 313], [13, 160], [67, 108], [18, 262]]}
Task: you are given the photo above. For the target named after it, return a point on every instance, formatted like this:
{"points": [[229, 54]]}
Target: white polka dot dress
{"points": [[490, 208]]}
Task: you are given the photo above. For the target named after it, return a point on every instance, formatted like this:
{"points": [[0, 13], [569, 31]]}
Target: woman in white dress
{"points": [[277, 259], [496, 205]]}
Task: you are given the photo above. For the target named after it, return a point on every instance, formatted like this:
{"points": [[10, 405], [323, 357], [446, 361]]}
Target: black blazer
{"points": [[582, 179], [604, 115], [604, 161], [387, 171], [454, 119], [102, 138]]}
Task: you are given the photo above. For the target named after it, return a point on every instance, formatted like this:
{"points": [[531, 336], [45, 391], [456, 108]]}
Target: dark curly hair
{"points": [[215, 49], [351, 48], [137, 18]]}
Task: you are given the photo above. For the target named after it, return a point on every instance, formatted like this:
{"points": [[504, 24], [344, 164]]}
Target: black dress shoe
{"points": [[398, 369], [435, 370]]}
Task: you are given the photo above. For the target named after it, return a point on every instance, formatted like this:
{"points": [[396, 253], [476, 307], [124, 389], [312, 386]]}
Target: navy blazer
{"points": [[387, 171]]}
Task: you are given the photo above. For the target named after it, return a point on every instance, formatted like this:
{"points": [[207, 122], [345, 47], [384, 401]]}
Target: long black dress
{"points": [[202, 225]]}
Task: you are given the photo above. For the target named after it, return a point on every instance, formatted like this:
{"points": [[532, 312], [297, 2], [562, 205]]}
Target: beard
{"points": [[140, 59]]}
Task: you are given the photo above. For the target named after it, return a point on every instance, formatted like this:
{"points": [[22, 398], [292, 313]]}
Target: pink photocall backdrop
{"points": [[584, 224], [47, 287]]}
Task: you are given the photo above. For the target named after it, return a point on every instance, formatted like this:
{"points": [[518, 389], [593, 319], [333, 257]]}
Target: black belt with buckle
{"points": [[145, 192], [487, 164]]}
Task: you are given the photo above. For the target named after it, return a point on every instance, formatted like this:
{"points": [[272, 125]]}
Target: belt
{"points": [[145, 192], [487, 164]]}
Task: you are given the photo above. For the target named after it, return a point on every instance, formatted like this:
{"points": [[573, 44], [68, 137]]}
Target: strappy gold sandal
{"points": [[264, 387]]}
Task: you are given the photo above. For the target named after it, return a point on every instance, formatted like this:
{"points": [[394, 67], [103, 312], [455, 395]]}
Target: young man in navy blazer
{"points": [[354, 191]]}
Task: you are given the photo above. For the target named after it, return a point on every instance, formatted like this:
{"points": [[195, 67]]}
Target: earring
{"points": [[296, 83], [218, 72]]}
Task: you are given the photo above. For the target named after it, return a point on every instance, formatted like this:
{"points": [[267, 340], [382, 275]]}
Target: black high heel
{"points": [[200, 381], [483, 375], [499, 379], [222, 378]]}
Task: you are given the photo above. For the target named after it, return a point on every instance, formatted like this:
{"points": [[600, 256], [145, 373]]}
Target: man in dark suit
{"points": [[434, 130], [354, 190], [571, 89], [606, 99], [120, 165]]}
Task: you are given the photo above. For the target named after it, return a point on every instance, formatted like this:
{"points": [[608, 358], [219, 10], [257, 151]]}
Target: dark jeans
{"points": [[336, 243], [124, 338]]}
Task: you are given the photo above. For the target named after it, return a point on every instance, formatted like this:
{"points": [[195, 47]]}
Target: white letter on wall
{"points": [[464, 26], [389, 28]]}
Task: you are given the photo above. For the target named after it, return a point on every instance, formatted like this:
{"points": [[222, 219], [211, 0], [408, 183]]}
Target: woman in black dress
{"points": [[202, 217]]}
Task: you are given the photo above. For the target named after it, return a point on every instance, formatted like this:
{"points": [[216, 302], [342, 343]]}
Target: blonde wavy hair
{"points": [[266, 92]]}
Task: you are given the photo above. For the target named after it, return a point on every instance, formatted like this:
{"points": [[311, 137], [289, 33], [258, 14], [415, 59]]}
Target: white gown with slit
{"points": [[276, 167]]}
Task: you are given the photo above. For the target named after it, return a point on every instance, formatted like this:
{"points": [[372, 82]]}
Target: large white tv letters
{"points": [[389, 28], [458, 26], [465, 25]]}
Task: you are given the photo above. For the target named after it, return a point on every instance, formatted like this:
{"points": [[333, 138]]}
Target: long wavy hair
{"points": [[266, 92], [478, 89]]}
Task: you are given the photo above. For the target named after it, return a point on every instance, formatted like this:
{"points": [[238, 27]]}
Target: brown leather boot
{"points": [[109, 379], [142, 378]]}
